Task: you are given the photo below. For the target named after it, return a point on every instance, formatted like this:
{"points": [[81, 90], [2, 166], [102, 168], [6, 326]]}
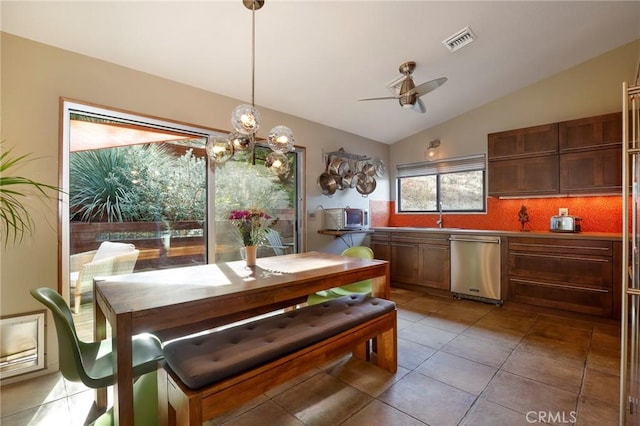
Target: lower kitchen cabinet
{"points": [[421, 259], [379, 243], [404, 262], [571, 274], [434, 264]]}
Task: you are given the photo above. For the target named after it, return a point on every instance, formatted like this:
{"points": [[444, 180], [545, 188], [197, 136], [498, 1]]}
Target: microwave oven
{"points": [[345, 219]]}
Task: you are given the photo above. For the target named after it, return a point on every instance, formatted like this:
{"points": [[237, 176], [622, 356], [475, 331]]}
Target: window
{"points": [[148, 184], [457, 183]]}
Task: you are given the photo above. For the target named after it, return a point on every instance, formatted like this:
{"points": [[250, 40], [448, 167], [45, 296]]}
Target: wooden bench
{"points": [[204, 376]]}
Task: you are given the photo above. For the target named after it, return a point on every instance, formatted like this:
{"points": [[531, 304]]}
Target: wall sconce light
{"points": [[432, 151]]}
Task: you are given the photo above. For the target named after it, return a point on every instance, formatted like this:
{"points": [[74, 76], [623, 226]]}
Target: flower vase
{"points": [[251, 253]]}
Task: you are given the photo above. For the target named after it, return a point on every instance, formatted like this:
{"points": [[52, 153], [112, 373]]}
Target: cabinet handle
{"points": [[525, 245], [581, 259], [563, 286]]}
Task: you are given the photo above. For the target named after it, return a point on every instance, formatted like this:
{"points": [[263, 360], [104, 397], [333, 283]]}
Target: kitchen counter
{"points": [[608, 236]]}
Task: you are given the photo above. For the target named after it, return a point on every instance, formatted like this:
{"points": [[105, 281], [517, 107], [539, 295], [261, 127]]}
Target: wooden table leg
{"points": [[123, 369], [381, 286]]}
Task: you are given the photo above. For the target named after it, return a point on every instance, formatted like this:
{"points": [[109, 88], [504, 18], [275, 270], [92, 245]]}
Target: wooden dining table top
{"points": [[177, 301]]}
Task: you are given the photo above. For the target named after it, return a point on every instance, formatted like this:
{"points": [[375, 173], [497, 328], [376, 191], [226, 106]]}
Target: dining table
{"points": [[176, 302]]}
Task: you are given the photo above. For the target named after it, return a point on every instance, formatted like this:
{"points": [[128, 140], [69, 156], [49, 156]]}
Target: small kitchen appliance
{"points": [[565, 223], [343, 219]]}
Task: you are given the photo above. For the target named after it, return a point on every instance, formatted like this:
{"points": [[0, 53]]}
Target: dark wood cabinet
{"points": [[434, 269], [524, 161], [379, 243], [591, 171], [591, 154], [421, 259], [600, 131], [404, 262], [532, 176], [582, 156], [537, 140], [571, 274]]}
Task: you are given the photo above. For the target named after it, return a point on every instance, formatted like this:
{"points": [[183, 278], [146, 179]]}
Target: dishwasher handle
{"points": [[474, 239]]}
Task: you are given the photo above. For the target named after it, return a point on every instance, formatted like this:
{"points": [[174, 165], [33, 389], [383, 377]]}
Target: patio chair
{"points": [[275, 242], [109, 259]]}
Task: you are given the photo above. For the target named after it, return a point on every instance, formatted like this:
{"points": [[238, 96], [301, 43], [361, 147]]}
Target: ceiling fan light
{"points": [[219, 149], [281, 139], [245, 119]]}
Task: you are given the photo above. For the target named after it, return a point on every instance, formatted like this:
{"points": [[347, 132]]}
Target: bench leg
{"points": [[362, 351], [174, 407], [387, 349]]}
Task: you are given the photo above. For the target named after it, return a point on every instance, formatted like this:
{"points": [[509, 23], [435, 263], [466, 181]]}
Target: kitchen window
{"points": [[457, 183]]}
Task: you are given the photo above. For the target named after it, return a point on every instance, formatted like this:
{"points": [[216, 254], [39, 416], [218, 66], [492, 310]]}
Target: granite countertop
{"points": [[535, 234]]}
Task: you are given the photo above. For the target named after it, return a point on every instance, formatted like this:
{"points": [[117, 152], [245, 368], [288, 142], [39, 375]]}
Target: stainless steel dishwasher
{"points": [[475, 267]]}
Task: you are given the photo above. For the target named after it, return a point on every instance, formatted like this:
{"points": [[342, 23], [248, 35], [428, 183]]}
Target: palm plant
{"points": [[15, 219]]}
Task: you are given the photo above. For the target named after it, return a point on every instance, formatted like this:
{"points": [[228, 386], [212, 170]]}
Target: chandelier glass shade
{"points": [[281, 139], [277, 163], [219, 149], [245, 120], [241, 142]]}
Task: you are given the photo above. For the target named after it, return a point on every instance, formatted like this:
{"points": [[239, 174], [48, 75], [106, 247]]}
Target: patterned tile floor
{"points": [[460, 363]]}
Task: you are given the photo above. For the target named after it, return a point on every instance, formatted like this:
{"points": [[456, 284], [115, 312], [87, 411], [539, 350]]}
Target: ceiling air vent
{"points": [[459, 39]]}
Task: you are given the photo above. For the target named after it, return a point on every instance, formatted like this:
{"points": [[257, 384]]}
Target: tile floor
{"points": [[460, 363]]}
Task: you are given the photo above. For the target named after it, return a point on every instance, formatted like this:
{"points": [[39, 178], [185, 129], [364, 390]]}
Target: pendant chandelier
{"points": [[245, 120]]}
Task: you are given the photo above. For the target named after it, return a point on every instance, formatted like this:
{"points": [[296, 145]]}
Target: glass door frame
{"points": [[68, 107]]}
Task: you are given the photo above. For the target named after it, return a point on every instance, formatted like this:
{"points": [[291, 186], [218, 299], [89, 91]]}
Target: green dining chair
{"points": [[360, 287], [92, 362]]}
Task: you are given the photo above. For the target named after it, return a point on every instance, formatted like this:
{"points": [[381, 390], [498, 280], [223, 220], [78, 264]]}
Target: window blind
{"points": [[451, 165]]}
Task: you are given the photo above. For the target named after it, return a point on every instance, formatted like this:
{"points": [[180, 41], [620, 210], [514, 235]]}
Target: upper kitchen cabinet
{"points": [[524, 161], [591, 154], [602, 131], [538, 140], [582, 156]]}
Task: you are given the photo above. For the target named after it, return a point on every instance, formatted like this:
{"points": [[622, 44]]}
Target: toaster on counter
{"points": [[565, 224]]}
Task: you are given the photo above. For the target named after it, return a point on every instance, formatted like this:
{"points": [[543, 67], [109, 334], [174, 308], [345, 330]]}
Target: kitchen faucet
{"points": [[439, 221]]}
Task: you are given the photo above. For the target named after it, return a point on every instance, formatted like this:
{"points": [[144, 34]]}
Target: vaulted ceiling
{"points": [[315, 59]]}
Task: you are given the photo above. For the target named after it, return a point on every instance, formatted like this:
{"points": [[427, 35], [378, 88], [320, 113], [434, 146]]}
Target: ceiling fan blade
{"points": [[419, 106], [376, 99], [429, 86]]}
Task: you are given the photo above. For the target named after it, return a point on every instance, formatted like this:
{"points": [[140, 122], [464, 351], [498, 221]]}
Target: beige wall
{"points": [[591, 88], [33, 78]]}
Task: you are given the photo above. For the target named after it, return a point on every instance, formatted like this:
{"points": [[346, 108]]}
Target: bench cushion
{"points": [[203, 360]]}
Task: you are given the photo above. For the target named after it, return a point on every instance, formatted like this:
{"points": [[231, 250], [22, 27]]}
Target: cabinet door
{"points": [[590, 132], [591, 171], [434, 269], [404, 263], [532, 176], [542, 140], [381, 250]]}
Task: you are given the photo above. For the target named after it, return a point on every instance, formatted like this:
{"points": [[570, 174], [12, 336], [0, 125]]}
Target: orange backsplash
{"points": [[598, 213]]}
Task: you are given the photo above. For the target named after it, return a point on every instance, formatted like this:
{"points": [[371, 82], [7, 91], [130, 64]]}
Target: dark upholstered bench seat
{"points": [[205, 359], [207, 375]]}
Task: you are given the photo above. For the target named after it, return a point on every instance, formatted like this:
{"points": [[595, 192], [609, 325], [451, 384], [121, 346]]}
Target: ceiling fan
{"points": [[409, 95]]}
